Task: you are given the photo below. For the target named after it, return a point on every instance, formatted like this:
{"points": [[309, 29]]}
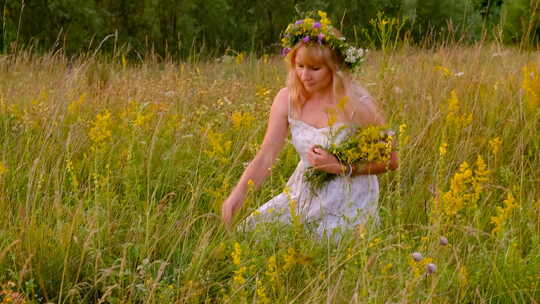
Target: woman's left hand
{"points": [[322, 160]]}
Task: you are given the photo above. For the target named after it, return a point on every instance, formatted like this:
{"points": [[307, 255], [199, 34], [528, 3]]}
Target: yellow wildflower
{"points": [[503, 213], [75, 106], [289, 258], [443, 149], [242, 120], [3, 169], [240, 58], [220, 147], [101, 131], [261, 293], [444, 71], [531, 86], [237, 254], [239, 275], [272, 269], [495, 145], [465, 188], [418, 267]]}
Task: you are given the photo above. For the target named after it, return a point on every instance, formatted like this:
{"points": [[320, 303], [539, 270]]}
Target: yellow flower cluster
{"points": [[495, 145], [443, 149], [292, 258], [465, 189], [370, 144], [261, 293], [236, 256], [531, 86], [272, 269], [503, 213], [101, 131], [418, 267], [75, 106], [220, 148], [453, 116], [242, 120], [443, 70], [3, 169], [263, 93]]}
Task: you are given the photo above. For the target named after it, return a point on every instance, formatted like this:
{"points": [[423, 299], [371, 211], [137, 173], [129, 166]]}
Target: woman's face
{"points": [[315, 76]]}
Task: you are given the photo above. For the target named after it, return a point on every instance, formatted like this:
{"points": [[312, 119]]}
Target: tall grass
{"points": [[112, 175]]}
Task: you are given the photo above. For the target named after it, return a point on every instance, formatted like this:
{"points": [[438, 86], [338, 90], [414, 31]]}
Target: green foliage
{"points": [[521, 21], [195, 28]]}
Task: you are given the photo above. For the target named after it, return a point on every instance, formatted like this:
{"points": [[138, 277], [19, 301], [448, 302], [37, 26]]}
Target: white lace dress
{"points": [[344, 202]]}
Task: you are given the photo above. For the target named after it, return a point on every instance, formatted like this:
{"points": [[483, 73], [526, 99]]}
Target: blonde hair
{"points": [[342, 82]]}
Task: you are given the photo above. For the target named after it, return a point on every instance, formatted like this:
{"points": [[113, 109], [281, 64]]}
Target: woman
{"points": [[321, 103]]}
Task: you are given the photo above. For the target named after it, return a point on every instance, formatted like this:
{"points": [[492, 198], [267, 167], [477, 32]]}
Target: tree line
{"points": [[181, 28]]}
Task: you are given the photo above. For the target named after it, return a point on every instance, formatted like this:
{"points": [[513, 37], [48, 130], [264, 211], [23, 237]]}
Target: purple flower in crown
{"points": [[316, 25], [306, 39], [299, 22], [320, 38], [285, 51]]}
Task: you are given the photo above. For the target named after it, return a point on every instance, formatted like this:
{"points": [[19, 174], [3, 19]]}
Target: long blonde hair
{"points": [[342, 82]]}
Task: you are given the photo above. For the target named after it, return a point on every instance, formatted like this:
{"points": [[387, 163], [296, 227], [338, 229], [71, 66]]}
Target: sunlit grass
{"points": [[112, 175]]}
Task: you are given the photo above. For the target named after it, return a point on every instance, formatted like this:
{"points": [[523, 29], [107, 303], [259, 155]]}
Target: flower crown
{"points": [[321, 32]]}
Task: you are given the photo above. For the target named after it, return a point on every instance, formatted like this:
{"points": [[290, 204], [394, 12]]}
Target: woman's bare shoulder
{"points": [[281, 101]]}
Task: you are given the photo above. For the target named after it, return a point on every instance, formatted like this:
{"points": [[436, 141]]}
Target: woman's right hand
{"points": [[228, 209]]}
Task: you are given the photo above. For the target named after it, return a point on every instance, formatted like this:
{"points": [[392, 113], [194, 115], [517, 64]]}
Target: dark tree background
{"points": [[182, 28]]}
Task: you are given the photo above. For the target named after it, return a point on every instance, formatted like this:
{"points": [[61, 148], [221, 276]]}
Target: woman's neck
{"points": [[320, 96]]}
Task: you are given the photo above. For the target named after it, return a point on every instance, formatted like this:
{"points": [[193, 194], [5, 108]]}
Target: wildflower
{"points": [[261, 293], [272, 269], [239, 275], [443, 241], [289, 258], [466, 187], [306, 39], [453, 116], [74, 106], [220, 147], [463, 276], [431, 268], [503, 213], [531, 86], [101, 131], [3, 169], [417, 256], [242, 120], [418, 267], [236, 254], [495, 145], [443, 149], [444, 71], [239, 58]]}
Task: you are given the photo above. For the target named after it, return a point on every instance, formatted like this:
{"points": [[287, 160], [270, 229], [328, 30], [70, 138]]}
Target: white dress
{"points": [[343, 203]]}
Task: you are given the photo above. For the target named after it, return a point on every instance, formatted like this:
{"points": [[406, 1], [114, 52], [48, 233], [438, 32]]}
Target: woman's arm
{"points": [[259, 168]]}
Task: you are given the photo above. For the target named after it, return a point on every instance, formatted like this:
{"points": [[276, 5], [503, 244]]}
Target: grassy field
{"points": [[112, 174]]}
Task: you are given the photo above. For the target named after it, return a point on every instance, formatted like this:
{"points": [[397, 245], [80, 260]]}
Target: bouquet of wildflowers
{"points": [[366, 145]]}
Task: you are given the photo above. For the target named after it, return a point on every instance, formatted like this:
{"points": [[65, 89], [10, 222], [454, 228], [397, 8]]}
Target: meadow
{"points": [[113, 171]]}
